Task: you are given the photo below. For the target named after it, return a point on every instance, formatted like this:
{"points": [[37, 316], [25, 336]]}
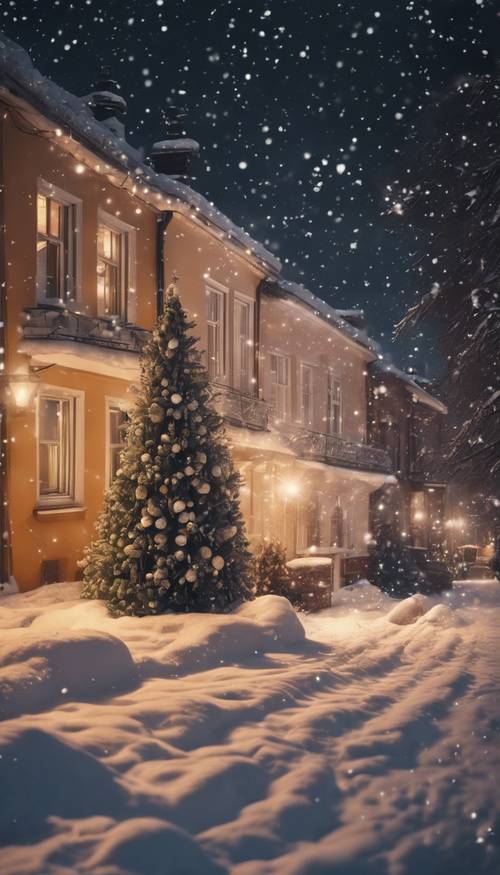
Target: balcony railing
{"points": [[59, 324], [337, 451], [244, 411]]}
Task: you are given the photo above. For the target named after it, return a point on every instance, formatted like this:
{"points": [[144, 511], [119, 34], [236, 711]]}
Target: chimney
{"points": [[175, 155], [107, 106]]}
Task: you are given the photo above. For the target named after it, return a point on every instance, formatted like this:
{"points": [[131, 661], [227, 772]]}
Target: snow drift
{"points": [[234, 744]]}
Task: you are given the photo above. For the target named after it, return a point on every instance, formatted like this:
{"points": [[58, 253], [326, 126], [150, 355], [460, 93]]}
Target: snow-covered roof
{"points": [[20, 78], [284, 288], [384, 366]]}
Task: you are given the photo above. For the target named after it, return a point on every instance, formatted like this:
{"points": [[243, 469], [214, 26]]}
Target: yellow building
{"points": [[91, 235]]}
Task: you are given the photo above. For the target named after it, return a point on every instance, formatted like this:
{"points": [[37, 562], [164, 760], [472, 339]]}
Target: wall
{"points": [[289, 328], [194, 255]]}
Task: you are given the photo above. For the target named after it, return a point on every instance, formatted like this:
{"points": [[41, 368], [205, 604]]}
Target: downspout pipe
{"points": [[163, 222], [5, 528]]}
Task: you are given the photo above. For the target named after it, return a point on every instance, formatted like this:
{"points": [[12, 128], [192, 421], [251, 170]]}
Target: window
{"points": [[279, 378], [334, 405], [57, 216], [337, 532], [117, 420], [60, 446], [112, 271], [306, 394], [243, 344], [216, 340]]}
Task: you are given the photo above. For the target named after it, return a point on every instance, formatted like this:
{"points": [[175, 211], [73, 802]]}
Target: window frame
{"points": [[111, 404], [74, 496], [128, 293], [74, 253], [213, 287], [333, 377], [286, 393], [245, 300]]}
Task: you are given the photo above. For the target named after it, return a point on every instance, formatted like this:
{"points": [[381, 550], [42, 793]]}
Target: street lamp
{"points": [[20, 391]]}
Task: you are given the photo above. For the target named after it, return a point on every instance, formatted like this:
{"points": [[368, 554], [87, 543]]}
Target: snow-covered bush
{"points": [[171, 536], [270, 570]]}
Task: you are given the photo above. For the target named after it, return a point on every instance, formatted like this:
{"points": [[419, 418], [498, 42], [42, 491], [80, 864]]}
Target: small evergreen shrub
{"points": [[270, 570]]}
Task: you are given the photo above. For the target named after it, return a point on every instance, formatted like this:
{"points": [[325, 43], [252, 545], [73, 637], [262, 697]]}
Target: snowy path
{"points": [[210, 745]]}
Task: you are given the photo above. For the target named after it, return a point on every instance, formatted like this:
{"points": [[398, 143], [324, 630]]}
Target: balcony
{"points": [[60, 325], [56, 335], [241, 410], [337, 451]]}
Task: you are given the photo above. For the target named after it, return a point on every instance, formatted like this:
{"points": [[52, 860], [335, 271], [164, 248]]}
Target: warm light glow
{"points": [[418, 516], [456, 523], [80, 168], [22, 389], [291, 488]]}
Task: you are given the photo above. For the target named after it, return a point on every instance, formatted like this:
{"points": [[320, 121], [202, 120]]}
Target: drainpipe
{"points": [[5, 530], [163, 222]]}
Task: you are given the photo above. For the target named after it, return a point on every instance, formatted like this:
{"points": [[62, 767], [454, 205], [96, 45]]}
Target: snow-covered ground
{"points": [[202, 745]]}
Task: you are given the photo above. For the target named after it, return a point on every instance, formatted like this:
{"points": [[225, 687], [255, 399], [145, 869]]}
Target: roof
{"points": [[20, 78], [384, 366], [286, 288]]}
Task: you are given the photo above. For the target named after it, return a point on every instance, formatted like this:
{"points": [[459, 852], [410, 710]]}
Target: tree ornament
{"points": [[218, 563], [156, 413]]}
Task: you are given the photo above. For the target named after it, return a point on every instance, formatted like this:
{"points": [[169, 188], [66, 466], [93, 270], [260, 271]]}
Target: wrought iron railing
{"points": [[59, 324], [336, 450], [240, 409]]}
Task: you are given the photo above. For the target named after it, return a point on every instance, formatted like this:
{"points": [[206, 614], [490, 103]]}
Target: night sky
{"points": [[305, 112]]}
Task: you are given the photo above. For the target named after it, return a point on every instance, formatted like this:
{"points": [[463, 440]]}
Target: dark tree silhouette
{"points": [[451, 203]]}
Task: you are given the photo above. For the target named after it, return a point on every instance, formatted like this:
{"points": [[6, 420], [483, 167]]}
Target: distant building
{"points": [[407, 421]]}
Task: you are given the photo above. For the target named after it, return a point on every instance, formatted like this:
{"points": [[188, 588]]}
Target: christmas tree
{"points": [[171, 535], [271, 572]]}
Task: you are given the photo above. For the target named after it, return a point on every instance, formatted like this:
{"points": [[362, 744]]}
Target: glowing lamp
{"points": [[20, 391], [418, 516]]}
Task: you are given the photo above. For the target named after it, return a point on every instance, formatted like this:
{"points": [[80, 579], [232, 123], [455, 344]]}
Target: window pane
{"points": [[41, 214], [115, 462], [52, 286], [56, 213], [49, 468], [117, 419], [49, 419], [104, 241]]}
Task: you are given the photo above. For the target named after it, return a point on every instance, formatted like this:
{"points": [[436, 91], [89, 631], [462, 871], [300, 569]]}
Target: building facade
{"points": [[91, 238], [407, 421]]}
